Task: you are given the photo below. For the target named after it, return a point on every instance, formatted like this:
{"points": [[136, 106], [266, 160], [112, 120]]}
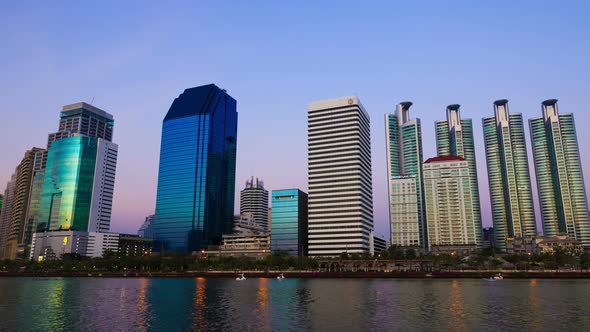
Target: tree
{"points": [[411, 253]]}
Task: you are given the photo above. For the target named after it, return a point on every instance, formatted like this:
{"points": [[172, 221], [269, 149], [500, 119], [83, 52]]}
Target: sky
{"points": [[274, 57]]}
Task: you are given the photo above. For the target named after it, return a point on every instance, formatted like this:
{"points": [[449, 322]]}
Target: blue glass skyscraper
{"points": [[289, 221], [196, 181]]}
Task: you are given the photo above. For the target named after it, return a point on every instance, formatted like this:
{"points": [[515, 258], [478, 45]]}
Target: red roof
{"points": [[443, 158]]}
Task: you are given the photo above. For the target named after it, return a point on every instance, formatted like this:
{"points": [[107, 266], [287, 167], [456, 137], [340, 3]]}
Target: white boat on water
{"points": [[241, 277], [281, 276], [497, 276]]}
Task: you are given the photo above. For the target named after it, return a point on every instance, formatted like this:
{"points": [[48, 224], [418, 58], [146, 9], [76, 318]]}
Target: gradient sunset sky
{"points": [[274, 57]]}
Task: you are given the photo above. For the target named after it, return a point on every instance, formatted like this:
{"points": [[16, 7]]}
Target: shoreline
{"points": [[308, 274]]}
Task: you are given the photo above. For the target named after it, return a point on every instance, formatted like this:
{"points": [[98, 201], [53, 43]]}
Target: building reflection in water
{"points": [[200, 306], [534, 306], [262, 305], [142, 304], [456, 307]]}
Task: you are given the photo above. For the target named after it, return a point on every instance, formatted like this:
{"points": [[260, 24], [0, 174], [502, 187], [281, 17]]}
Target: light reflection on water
{"points": [[259, 304]]}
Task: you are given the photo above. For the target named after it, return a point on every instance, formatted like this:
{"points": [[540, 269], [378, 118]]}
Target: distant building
{"points": [[560, 180], [5, 214], [134, 246], [542, 244], [248, 245], [379, 244], [254, 200], [451, 219], [146, 230], [19, 205], [289, 215], [508, 175], [339, 177], [196, 181], [244, 224], [407, 214]]}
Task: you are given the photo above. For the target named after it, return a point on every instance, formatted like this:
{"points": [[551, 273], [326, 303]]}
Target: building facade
{"points": [[451, 218], [78, 188], [454, 137], [403, 137], [339, 177], [19, 205], [134, 246], [55, 244], [146, 229], [5, 214], [196, 180], [509, 178], [560, 180], [254, 200], [404, 211], [289, 215]]}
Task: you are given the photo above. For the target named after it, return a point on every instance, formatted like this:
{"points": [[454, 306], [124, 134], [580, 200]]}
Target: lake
{"points": [[260, 304]]}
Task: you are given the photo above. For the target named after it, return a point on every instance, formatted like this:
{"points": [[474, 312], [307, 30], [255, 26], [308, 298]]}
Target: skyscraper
{"points": [[454, 137], [5, 214], [339, 177], [254, 200], [20, 203], [508, 174], [289, 215], [452, 223], [196, 181], [78, 188], [405, 181], [560, 181]]}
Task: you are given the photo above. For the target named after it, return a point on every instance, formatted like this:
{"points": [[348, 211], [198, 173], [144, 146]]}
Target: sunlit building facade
{"points": [[560, 180], [289, 215], [508, 175], [449, 204], [407, 214], [78, 188], [196, 180], [454, 137]]}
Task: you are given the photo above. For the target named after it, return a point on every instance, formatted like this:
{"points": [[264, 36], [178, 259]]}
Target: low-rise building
{"points": [[542, 244], [250, 245], [132, 245], [53, 245]]}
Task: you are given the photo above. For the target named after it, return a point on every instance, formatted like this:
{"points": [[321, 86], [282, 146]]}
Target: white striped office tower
{"points": [[339, 177]]}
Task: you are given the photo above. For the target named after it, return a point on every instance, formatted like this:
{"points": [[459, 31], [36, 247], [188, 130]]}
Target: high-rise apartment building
{"points": [[254, 200], [560, 180], [452, 223], [20, 204], [508, 175], [196, 181], [454, 137], [5, 214], [403, 137], [339, 177], [289, 215]]}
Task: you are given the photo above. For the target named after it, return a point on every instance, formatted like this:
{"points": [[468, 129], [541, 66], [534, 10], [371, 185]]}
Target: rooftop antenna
{"points": [[92, 102]]}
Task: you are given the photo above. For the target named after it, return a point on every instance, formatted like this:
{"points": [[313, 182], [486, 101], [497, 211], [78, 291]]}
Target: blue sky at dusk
{"points": [[275, 57]]}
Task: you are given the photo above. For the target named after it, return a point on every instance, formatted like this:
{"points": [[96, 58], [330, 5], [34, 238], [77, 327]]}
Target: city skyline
{"points": [[120, 83]]}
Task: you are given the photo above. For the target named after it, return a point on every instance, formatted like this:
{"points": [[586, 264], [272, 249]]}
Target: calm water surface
{"points": [[119, 304]]}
